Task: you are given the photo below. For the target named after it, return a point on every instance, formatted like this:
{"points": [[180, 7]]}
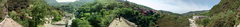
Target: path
{"points": [[121, 23], [11, 23], [192, 23]]}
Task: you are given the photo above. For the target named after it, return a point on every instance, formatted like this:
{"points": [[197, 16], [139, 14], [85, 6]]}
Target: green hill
{"points": [[168, 12], [100, 13], [194, 12], [20, 10], [224, 14], [69, 7]]}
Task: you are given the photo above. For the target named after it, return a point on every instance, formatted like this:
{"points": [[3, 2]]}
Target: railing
{"points": [[1, 24]]}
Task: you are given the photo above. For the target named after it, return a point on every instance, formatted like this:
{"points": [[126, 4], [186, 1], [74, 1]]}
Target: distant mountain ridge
{"points": [[194, 12], [69, 7], [168, 12]]}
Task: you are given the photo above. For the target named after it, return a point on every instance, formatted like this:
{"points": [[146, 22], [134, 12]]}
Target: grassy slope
{"points": [[223, 14]]}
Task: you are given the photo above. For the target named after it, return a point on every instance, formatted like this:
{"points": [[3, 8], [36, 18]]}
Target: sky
{"points": [[66, 0], [175, 6], [178, 6]]}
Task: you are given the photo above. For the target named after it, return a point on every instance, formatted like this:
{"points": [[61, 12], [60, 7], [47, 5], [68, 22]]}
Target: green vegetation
{"points": [[56, 15], [53, 2], [71, 17], [21, 10], [80, 23], [225, 14], [69, 7], [2, 12], [168, 12], [100, 13], [224, 19], [195, 12], [224, 6], [172, 21], [203, 22]]}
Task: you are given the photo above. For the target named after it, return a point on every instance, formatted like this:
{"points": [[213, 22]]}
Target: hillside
{"points": [[52, 2], [21, 11], [224, 14], [224, 6], [2, 10], [194, 12], [101, 13], [90, 13], [168, 12], [69, 7]]}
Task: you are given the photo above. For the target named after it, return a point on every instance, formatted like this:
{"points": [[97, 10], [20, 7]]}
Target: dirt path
{"points": [[11, 23], [121, 23]]}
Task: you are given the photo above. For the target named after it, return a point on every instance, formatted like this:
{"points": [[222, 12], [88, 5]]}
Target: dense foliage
{"points": [[22, 10], [69, 7], [77, 22], [224, 19], [168, 12], [95, 13], [224, 6], [2, 10], [100, 13], [53, 2], [172, 21], [225, 14], [194, 12]]}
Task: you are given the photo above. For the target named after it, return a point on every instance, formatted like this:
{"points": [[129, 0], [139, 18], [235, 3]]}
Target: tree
{"points": [[40, 10], [56, 15], [80, 23], [205, 21]]}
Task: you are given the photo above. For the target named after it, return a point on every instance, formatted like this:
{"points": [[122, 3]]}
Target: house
{"points": [[199, 17], [30, 17]]}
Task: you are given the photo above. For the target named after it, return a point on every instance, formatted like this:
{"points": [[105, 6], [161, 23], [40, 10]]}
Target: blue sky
{"points": [[175, 6], [66, 0], [178, 6]]}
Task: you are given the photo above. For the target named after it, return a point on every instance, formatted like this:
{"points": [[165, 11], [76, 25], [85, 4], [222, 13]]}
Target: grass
{"points": [[71, 17]]}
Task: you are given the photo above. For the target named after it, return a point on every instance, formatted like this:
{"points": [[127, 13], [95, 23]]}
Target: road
{"points": [[192, 23], [121, 23]]}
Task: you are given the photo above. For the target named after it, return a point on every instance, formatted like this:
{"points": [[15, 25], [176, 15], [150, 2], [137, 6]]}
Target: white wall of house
{"points": [[198, 17]]}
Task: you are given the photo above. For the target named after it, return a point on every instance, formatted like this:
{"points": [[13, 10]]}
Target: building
{"points": [[199, 17]]}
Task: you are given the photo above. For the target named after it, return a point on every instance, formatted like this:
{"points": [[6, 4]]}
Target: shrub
{"points": [[80, 23]]}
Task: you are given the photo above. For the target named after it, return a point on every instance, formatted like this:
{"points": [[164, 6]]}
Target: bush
{"points": [[12, 14], [205, 21], [80, 23], [223, 19], [56, 15], [71, 17]]}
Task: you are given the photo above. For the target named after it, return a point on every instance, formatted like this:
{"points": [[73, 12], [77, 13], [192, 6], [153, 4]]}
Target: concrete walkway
{"points": [[11, 23], [121, 23], [192, 23]]}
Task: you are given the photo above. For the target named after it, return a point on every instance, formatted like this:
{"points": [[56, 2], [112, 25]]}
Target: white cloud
{"points": [[176, 6], [66, 0]]}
